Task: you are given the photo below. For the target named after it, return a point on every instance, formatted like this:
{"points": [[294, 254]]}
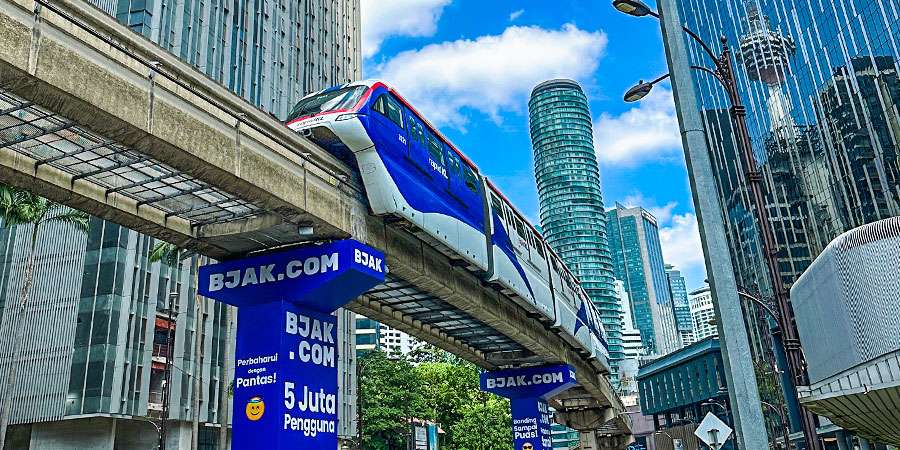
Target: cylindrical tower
{"points": [[568, 181]]}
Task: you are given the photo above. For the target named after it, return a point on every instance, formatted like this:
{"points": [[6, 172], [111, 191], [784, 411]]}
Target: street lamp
{"points": [[724, 73], [635, 8]]}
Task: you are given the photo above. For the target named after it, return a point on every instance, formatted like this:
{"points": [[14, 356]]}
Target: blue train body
{"points": [[411, 172]]}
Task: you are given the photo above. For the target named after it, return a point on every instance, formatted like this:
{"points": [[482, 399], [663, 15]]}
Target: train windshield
{"points": [[337, 99]]}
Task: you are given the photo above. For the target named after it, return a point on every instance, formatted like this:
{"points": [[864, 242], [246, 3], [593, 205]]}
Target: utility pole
{"points": [[163, 426], [743, 392]]}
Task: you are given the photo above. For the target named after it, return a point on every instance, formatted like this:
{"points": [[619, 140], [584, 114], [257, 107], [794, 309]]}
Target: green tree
{"points": [[472, 419], [484, 426], [390, 394], [19, 207]]}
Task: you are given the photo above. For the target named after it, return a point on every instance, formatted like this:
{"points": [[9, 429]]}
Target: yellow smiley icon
{"points": [[255, 408]]}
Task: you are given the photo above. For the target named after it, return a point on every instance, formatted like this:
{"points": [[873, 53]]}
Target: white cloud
{"points": [[515, 15], [384, 18], [647, 131], [662, 213], [490, 74], [680, 240]]}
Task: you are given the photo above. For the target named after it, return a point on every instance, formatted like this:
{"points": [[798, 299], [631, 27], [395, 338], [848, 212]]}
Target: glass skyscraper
{"points": [[271, 53], [572, 219], [568, 182], [638, 261], [819, 80], [678, 291]]}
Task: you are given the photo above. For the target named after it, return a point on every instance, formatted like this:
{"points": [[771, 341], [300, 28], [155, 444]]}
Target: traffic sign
{"points": [[712, 431]]}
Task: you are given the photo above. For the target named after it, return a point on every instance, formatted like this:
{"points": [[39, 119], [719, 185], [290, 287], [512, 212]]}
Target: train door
{"points": [[418, 145], [465, 198]]}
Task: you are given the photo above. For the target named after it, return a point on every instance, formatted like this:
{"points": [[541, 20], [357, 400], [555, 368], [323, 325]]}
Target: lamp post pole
{"points": [[736, 356]]}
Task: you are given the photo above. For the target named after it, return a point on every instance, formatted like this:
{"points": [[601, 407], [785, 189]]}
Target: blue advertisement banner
{"points": [[285, 387], [528, 390], [322, 278], [531, 424], [529, 382]]}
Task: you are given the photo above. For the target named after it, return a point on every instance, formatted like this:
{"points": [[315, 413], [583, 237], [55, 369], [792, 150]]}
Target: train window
{"points": [[520, 228], [412, 125], [495, 203], [393, 111], [435, 150], [540, 248], [471, 179], [453, 164], [421, 134]]}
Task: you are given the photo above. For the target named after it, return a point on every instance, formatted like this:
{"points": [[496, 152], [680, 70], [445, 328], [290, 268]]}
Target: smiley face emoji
{"points": [[527, 446], [255, 408]]}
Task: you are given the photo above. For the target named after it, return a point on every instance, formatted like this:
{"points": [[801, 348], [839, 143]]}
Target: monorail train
{"points": [[413, 173]]}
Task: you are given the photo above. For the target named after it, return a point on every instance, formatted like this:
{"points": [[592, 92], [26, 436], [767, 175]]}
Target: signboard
{"points": [[528, 390], [285, 378], [285, 386], [712, 431], [322, 277]]}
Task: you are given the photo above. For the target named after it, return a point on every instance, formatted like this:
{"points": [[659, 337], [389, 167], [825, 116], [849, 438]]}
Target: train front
{"points": [[335, 119]]}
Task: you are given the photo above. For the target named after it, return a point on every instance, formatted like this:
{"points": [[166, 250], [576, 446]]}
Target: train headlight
{"points": [[347, 116]]}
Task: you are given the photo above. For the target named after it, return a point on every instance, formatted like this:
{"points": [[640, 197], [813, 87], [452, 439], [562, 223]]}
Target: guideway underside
{"points": [[125, 131]]}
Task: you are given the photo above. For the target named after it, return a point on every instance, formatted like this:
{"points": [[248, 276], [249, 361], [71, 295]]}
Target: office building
{"points": [[848, 318], [270, 53], [372, 335], [568, 183], [820, 85], [95, 355], [632, 345], [703, 314], [683, 321], [679, 389], [638, 261]]}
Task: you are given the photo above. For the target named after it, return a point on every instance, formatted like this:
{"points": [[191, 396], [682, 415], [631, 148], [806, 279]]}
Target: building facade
{"points": [[679, 389], [568, 182], [703, 314], [271, 53], [683, 321], [848, 318], [638, 261], [96, 348]]}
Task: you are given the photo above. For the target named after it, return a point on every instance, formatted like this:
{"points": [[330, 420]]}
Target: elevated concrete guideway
{"points": [[97, 117]]}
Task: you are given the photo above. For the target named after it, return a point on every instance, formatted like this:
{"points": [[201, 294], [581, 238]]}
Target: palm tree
{"points": [[19, 207]]}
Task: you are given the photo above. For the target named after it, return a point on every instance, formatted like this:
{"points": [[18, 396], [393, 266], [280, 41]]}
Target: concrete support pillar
{"points": [[864, 444], [589, 440]]}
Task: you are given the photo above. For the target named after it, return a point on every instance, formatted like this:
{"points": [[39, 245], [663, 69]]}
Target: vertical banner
{"points": [[290, 387], [286, 377], [528, 390]]}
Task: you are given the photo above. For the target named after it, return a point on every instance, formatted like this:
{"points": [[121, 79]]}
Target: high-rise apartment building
{"points": [[96, 343], [272, 53], [703, 314], [372, 335], [638, 261], [568, 182], [683, 322]]}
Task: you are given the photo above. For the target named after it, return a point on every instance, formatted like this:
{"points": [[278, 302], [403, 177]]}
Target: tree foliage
{"points": [[431, 385]]}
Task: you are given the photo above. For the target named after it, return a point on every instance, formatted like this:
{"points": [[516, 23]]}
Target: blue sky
{"points": [[469, 67]]}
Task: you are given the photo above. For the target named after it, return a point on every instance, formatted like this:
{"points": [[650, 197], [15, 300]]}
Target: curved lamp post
{"points": [[724, 73]]}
